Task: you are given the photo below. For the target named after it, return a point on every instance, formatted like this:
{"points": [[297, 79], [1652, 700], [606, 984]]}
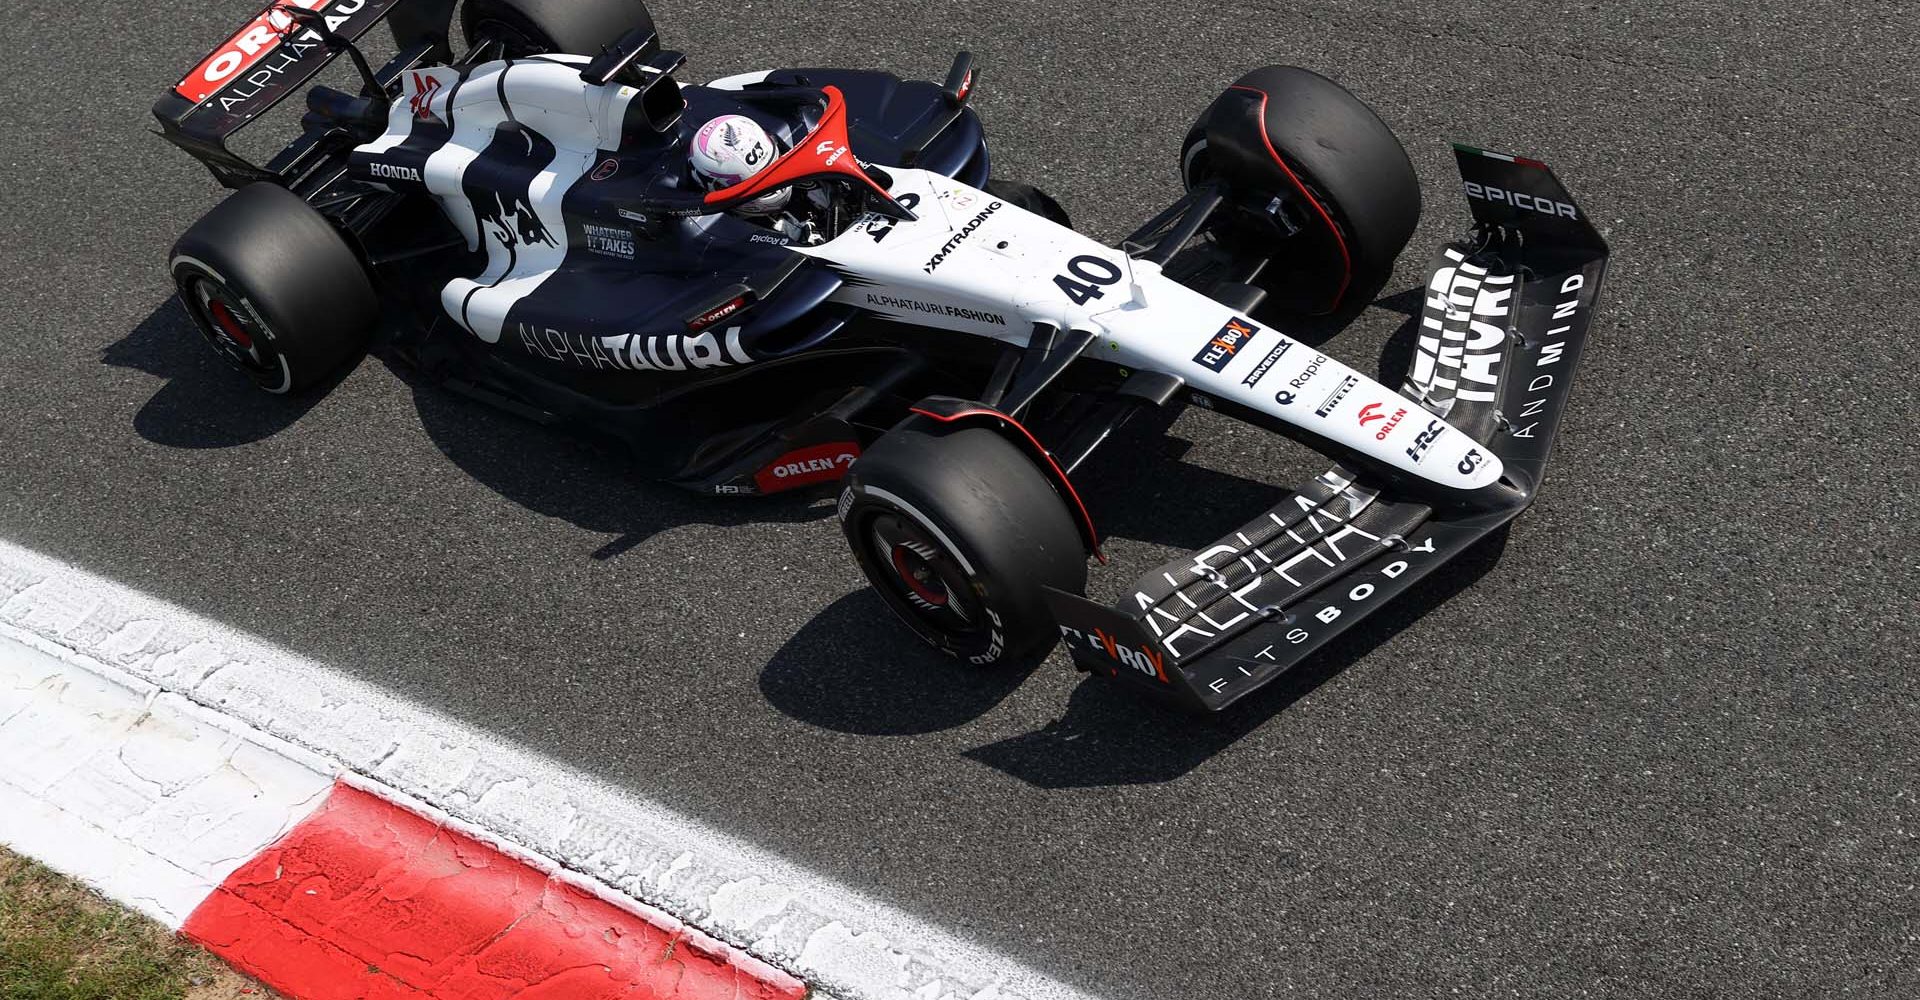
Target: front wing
{"points": [[1505, 321]]}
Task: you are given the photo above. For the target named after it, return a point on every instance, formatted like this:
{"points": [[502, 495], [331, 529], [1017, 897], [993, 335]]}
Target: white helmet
{"points": [[731, 149]]}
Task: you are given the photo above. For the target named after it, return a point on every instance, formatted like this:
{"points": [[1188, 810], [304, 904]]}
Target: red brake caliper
{"points": [[915, 577], [228, 325]]}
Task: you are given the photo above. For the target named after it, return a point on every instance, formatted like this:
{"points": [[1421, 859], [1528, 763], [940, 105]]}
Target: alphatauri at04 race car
{"points": [[872, 308]]}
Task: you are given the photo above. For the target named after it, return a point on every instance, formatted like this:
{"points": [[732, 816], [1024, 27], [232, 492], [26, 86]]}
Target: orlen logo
{"points": [[253, 43], [822, 463], [1373, 411], [830, 150]]}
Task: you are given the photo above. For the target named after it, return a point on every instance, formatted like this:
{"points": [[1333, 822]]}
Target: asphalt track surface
{"points": [[1660, 741]]}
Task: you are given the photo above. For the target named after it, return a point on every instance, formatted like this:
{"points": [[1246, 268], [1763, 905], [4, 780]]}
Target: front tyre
{"points": [[960, 533], [275, 289], [1287, 140], [1031, 198]]}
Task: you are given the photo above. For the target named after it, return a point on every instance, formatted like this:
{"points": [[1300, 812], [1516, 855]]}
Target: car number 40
{"points": [[1085, 277]]}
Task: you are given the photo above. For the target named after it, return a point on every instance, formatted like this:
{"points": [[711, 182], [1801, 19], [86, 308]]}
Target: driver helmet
{"points": [[730, 149]]}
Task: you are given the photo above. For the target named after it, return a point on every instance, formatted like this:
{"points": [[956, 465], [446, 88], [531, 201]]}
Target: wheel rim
{"points": [[1193, 165], [922, 582], [922, 577], [228, 329], [233, 330]]}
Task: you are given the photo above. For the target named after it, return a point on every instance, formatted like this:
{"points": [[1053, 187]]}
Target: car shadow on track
{"points": [[855, 669], [203, 404], [591, 486]]}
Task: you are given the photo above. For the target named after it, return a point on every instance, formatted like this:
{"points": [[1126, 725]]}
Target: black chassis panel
{"points": [[831, 372]]}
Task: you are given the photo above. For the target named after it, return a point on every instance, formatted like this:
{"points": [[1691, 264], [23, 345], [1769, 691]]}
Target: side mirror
{"points": [[638, 61], [622, 61], [960, 79]]}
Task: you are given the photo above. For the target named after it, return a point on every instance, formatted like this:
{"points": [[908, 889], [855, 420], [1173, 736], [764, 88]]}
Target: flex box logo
{"points": [[1226, 345]]}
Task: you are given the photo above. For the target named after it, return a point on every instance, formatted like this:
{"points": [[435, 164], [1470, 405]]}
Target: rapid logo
{"points": [[1326, 407], [1306, 375], [1226, 345], [821, 463], [1260, 370]]}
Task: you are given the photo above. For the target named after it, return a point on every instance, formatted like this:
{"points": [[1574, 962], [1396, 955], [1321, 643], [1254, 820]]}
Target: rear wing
{"points": [[1506, 317], [270, 57]]}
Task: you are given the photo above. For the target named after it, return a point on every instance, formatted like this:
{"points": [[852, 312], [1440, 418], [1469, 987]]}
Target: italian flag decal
{"points": [[1502, 157]]}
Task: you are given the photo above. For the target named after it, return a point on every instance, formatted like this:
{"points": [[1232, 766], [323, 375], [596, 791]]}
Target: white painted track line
{"points": [[829, 935]]}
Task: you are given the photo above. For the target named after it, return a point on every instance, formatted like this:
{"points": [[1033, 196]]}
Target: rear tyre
{"points": [[533, 27], [959, 532], [1288, 132], [275, 289]]}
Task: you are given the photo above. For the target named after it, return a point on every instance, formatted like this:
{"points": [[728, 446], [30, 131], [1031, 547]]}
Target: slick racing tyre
{"points": [[1285, 136], [275, 288], [1031, 198], [533, 27], [958, 531]]}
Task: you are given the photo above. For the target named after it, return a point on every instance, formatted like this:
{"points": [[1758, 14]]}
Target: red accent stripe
{"points": [[365, 899], [1346, 258], [1059, 474]]}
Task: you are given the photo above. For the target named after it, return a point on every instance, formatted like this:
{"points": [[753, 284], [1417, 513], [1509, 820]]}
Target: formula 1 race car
{"points": [[521, 211]]}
